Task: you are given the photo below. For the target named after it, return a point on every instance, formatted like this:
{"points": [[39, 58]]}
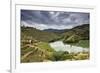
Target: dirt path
{"points": [[30, 52], [27, 54]]}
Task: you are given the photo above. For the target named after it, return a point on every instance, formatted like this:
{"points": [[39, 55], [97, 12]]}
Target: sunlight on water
{"points": [[60, 46]]}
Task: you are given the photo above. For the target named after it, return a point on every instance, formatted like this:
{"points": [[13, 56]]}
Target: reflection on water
{"points": [[60, 46]]}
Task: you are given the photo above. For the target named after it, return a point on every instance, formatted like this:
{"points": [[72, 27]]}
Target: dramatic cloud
{"points": [[53, 19]]}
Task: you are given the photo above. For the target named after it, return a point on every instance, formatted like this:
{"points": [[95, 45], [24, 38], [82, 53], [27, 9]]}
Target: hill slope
{"points": [[35, 43], [78, 34], [33, 33]]}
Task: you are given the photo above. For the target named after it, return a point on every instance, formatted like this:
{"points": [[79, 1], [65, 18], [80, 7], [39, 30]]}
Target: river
{"points": [[60, 46]]}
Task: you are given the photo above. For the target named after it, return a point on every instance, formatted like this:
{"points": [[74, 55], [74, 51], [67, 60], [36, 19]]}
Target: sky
{"points": [[53, 19]]}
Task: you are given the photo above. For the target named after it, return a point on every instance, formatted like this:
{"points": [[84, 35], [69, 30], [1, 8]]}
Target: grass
{"points": [[42, 51], [83, 43], [45, 46], [25, 50]]}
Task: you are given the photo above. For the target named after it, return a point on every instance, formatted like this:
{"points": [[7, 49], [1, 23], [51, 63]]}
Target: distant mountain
{"points": [[55, 30], [82, 27]]}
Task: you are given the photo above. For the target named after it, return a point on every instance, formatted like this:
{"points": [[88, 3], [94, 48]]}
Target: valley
{"points": [[39, 45]]}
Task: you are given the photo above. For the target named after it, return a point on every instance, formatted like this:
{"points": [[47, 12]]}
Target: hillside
{"points": [[82, 31], [73, 35], [33, 33], [77, 34], [70, 36], [35, 43], [36, 52]]}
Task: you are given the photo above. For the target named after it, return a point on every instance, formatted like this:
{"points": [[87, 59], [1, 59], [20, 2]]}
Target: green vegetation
{"points": [[33, 33], [36, 52], [83, 43], [72, 39], [60, 56], [25, 50], [78, 36], [35, 44], [45, 46]]}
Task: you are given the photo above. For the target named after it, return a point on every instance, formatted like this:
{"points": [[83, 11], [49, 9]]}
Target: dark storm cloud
{"points": [[55, 19]]}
